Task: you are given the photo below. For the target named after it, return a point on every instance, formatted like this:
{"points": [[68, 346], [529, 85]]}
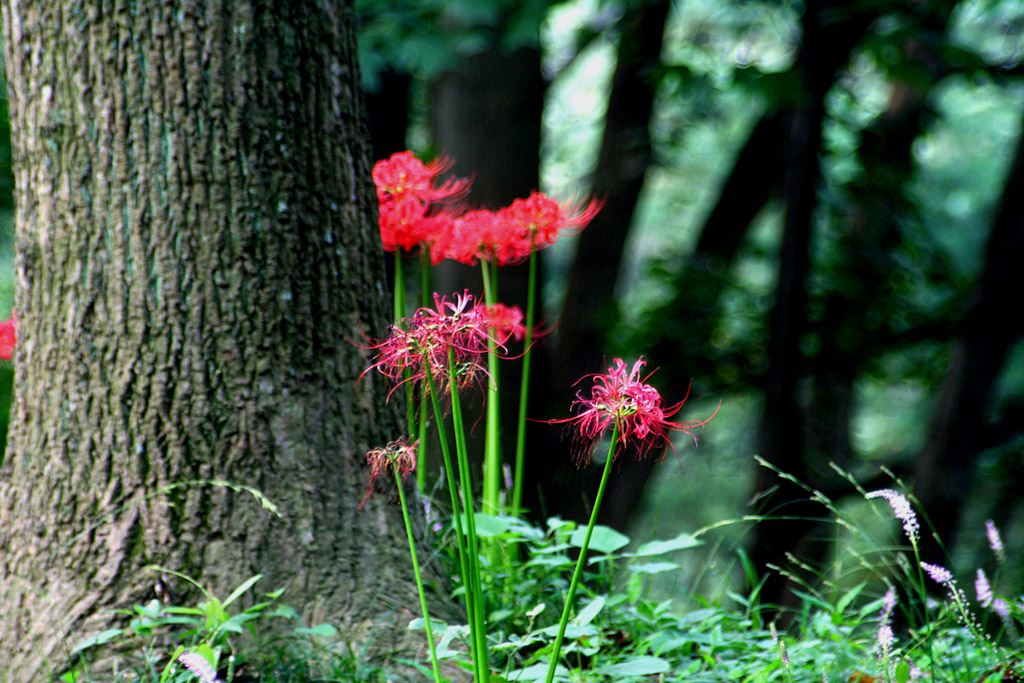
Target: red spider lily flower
{"points": [[406, 225], [505, 322], [620, 396], [475, 234], [422, 343], [8, 336], [544, 218], [511, 234], [399, 454], [410, 214], [403, 176]]}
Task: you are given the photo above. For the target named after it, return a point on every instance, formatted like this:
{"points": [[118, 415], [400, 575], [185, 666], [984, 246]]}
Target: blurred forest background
{"points": [[814, 211]]}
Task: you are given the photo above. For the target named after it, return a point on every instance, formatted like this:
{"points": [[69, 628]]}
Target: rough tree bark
{"points": [[196, 255]]}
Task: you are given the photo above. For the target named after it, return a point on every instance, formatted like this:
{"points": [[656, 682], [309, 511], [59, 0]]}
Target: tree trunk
{"points": [[812, 430], [782, 441], [196, 260]]}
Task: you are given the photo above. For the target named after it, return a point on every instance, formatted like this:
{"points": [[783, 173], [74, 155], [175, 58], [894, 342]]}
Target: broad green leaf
{"points": [[322, 630], [653, 567], [588, 613], [603, 540], [638, 666], [151, 609], [536, 672], [680, 542], [285, 611], [98, 639], [902, 673], [490, 525]]}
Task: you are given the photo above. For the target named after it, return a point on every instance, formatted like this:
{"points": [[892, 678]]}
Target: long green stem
{"points": [[399, 313], [460, 535], [421, 453], [419, 578], [478, 627], [556, 651], [399, 302], [524, 386], [492, 451]]}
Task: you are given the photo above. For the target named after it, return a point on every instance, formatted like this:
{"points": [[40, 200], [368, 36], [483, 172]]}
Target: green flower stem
{"points": [[399, 305], [556, 651], [524, 385], [460, 535], [421, 452], [492, 451], [419, 578], [478, 626], [399, 287]]}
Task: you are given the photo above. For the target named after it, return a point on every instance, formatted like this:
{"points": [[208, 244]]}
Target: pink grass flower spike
{"points": [[197, 664], [902, 509], [622, 396]]}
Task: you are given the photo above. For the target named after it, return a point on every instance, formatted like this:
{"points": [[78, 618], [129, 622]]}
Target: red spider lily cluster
{"points": [[399, 454], [459, 327], [622, 397], [415, 212], [8, 336]]}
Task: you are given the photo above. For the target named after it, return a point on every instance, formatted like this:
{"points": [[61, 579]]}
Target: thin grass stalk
{"points": [[478, 628], [460, 534], [419, 578], [581, 561], [524, 385], [490, 502]]}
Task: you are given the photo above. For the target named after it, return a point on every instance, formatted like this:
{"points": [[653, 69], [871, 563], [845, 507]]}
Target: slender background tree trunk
{"points": [[196, 258]]}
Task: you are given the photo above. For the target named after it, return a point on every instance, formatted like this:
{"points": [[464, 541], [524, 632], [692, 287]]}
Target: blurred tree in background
{"points": [[812, 210]]}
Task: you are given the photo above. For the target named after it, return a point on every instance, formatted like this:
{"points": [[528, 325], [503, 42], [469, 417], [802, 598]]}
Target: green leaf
{"points": [[499, 614], [284, 611], [653, 567], [588, 613], [241, 589], [902, 673], [849, 597], [151, 609], [321, 630], [98, 639], [536, 672], [489, 525], [168, 670], [603, 540], [638, 666], [680, 542], [236, 622]]}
